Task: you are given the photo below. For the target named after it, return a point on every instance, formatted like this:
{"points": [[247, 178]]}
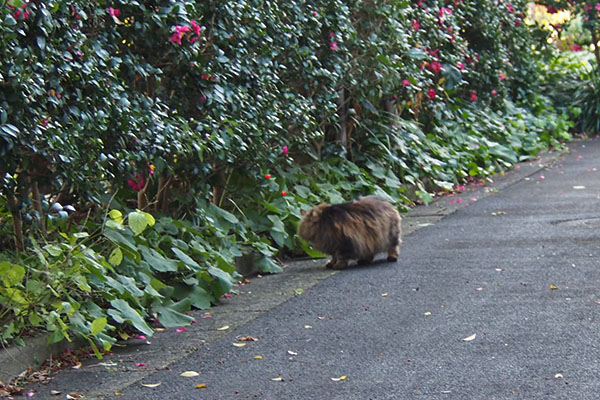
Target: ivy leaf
{"points": [[137, 222], [123, 311], [116, 256], [98, 325]]}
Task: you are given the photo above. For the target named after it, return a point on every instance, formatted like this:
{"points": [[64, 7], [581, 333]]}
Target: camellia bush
{"points": [[149, 147]]}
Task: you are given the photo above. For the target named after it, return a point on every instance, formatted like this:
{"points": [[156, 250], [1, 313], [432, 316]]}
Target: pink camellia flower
{"points": [[576, 47], [285, 150], [510, 7], [416, 25], [333, 45], [431, 94], [196, 28], [180, 30], [494, 92], [501, 76], [460, 65], [435, 67], [114, 12], [588, 7], [406, 83], [473, 96]]}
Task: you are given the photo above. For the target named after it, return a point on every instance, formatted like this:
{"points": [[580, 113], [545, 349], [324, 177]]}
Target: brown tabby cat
{"points": [[353, 231]]}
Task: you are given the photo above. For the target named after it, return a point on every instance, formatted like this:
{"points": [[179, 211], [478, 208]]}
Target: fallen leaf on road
{"points": [[557, 376], [341, 378], [299, 291], [278, 379], [55, 392], [76, 366], [248, 339], [308, 326], [259, 357], [384, 294], [189, 374], [428, 313], [468, 339], [499, 213], [578, 187], [151, 385], [223, 328], [552, 287], [239, 344], [292, 353], [201, 386], [74, 396]]}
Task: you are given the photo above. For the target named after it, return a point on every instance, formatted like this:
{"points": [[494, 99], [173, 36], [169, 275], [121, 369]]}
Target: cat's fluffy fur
{"points": [[353, 231]]}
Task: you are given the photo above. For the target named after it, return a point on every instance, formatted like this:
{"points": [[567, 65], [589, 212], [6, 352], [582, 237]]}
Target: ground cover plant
{"points": [[149, 146]]}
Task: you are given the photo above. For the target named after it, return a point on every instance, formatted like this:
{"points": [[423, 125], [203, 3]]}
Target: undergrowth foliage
{"points": [[185, 136]]}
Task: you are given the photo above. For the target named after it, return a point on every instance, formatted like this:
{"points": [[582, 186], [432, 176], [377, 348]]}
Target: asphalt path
{"points": [[500, 299]]}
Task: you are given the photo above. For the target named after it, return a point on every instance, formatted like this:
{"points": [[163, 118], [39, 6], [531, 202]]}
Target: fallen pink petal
{"points": [[180, 330], [140, 365]]}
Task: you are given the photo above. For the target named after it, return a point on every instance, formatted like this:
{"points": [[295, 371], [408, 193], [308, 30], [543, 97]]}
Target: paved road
{"points": [[498, 300]]}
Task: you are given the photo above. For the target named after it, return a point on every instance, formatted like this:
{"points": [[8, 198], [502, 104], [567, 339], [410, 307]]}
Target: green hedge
{"points": [[218, 121]]}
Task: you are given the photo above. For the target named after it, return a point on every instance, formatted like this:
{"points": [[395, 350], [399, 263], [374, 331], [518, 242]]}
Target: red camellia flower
{"points": [[138, 183], [406, 83], [284, 194], [416, 25], [576, 47], [431, 94], [473, 96], [285, 150], [114, 12], [551, 9], [267, 176]]}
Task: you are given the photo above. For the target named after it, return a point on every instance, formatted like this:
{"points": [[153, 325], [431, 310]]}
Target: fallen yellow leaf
{"points": [[223, 328], [239, 344], [278, 379], [258, 357], [308, 326], [151, 385], [201, 386], [189, 374], [428, 313], [552, 287], [468, 339], [341, 378], [557, 376], [384, 294]]}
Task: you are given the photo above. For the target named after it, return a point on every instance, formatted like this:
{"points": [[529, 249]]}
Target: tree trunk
{"points": [[37, 204], [13, 203], [343, 120]]}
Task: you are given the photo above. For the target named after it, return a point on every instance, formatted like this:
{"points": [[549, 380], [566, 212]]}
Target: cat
{"points": [[356, 230]]}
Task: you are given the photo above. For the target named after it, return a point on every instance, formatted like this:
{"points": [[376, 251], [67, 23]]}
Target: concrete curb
{"points": [[251, 300]]}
